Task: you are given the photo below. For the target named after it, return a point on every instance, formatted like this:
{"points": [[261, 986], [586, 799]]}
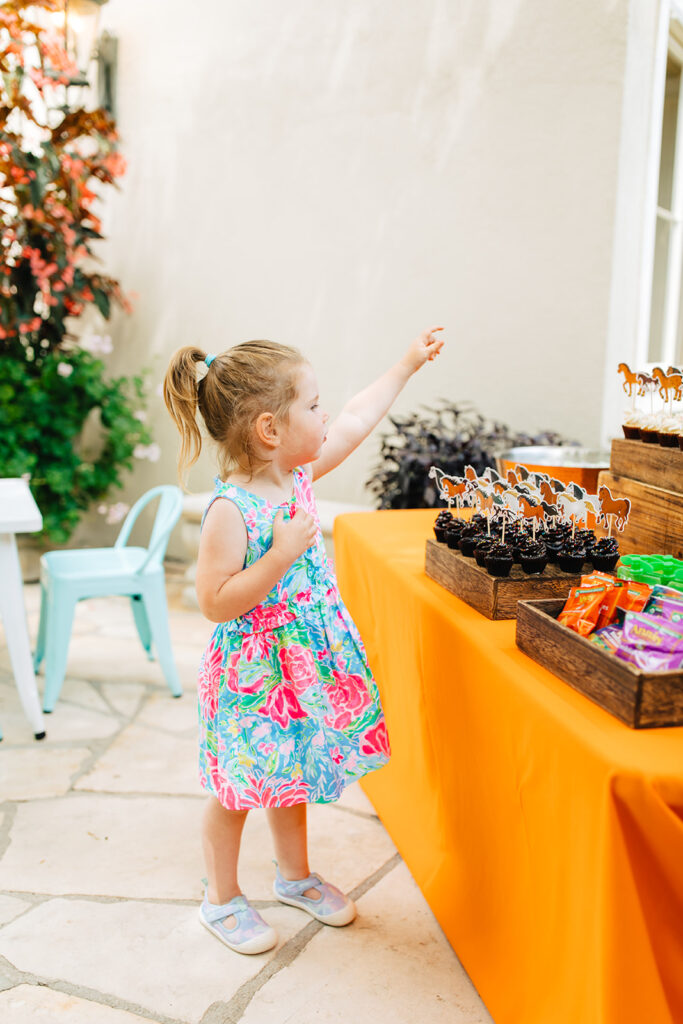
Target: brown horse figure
{"points": [[617, 507], [645, 382], [547, 493], [530, 511], [630, 378], [450, 487], [511, 477], [668, 382]]}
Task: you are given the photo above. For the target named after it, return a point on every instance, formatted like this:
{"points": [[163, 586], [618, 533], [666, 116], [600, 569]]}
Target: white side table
{"points": [[18, 514]]}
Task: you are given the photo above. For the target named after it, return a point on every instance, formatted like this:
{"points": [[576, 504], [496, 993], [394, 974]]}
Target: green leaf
{"points": [[102, 302]]}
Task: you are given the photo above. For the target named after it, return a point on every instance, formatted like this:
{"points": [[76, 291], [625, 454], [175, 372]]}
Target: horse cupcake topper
{"points": [[534, 498], [667, 384], [613, 510]]}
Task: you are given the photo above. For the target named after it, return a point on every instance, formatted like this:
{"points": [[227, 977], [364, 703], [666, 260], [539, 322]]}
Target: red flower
{"points": [[209, 679], [376, 741], [348, 697], [298, 667], [262, 793], [226, 793], [231, 678], [282, 706], [257, 645]]}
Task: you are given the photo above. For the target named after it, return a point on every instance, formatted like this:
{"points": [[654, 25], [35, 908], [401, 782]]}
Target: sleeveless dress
{"points": [[288, 709]]}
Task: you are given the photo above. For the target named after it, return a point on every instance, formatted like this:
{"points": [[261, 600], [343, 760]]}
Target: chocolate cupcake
{"points": [[469, 535], [452, 534], [605, 554], [481, 550], [442, 520], [587, 540], [571, 556], [499, 560], [518, 544], [534, 557]]}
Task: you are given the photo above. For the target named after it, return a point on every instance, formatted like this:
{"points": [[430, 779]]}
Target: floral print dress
{"points": [[288, 709]]}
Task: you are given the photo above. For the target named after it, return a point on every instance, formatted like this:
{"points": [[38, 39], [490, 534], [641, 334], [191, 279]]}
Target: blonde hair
{"points": [[239, 385]]}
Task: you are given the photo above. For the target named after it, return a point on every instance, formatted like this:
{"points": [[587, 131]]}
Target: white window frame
{"points": [[655, 213], [649, 28]]}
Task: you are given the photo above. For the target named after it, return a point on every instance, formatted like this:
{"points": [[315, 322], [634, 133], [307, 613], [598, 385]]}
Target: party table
{"points": [[18, 514], [546, 836]]}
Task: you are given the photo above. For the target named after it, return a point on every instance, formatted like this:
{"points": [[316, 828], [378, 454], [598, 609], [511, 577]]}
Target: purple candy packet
{"points": [[653, 632], [666, 607], [649, 660], [609, 637]]}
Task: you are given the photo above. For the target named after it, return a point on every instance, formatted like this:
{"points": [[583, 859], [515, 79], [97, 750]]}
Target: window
{"points": [[665, 339]]}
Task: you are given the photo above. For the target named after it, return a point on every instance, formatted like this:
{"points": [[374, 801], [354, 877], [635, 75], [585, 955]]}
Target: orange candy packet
{"points": [[633, 596], [582, 609], [608, 608]]}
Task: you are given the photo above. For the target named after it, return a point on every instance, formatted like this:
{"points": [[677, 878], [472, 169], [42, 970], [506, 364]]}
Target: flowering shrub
{"points": [[53, 163], [50, 159], [42, 413]]}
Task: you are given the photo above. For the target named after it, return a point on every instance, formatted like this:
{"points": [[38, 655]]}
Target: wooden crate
{"points": [[493, 597], [655, 525], [649, 463], [642, 700]]}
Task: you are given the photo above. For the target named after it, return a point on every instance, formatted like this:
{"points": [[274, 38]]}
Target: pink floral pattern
{"points": [[209, 679], [348, 697], [289, 711], [298, 667]]}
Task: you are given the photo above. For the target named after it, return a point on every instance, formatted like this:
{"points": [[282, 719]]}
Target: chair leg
{"points": [[40, 642], [60, 617], [142, 623], [157, 615]]}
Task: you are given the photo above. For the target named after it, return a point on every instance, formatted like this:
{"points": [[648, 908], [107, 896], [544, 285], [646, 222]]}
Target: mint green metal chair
{"points": [[70, 576]]}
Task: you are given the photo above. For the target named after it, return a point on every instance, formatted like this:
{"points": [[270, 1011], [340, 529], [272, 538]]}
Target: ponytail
{"points": [[181, 393], [242, 382]]}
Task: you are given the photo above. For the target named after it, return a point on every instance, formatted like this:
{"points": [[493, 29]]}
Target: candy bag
{"points": [[608, 638], [608, 607], [633, 596], [652, 631], [582, 608], [649, 660], [660, 594]]}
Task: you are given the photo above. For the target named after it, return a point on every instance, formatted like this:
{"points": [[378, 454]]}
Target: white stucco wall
{"points": [[338, 175]]}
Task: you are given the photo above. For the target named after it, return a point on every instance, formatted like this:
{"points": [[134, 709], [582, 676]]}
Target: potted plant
{"points": [[64, 424], [450, 436]]}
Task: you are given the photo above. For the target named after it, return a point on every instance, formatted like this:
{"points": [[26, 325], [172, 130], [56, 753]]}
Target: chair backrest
{"points": [[168, 513]]}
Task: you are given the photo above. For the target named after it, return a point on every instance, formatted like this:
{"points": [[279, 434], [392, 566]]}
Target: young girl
{"points": [[289, 712]]}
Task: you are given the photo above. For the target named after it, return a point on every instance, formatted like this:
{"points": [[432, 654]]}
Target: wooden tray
{"points": [[642, 700], [495, 598], [649, 463], [655, 525]]}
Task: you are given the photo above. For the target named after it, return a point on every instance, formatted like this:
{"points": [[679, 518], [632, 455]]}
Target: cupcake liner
{"points": [[668, 440]]}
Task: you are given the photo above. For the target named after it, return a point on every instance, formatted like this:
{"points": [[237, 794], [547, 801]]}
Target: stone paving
{"points": [[100, 868]]}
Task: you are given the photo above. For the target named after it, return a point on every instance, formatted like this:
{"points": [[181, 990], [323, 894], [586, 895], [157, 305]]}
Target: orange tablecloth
{"points": [[546, 836]]}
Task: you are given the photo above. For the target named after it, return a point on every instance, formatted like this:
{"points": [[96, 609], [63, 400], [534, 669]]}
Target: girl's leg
{"points": [[221, 834], [288, 827]]}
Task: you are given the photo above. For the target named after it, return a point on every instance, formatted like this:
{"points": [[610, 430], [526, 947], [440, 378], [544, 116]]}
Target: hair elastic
{"points": [[209, 359]]}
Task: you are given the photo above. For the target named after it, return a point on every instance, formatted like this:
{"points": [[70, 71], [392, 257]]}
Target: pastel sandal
{"points": [[249, 934], [332, 906]]}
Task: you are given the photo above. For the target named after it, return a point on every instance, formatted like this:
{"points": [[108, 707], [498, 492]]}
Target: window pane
{"points": [[658, 291], [666, 166]]}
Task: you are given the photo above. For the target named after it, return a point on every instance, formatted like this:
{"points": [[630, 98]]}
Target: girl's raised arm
{"points": [[364, 411]]}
